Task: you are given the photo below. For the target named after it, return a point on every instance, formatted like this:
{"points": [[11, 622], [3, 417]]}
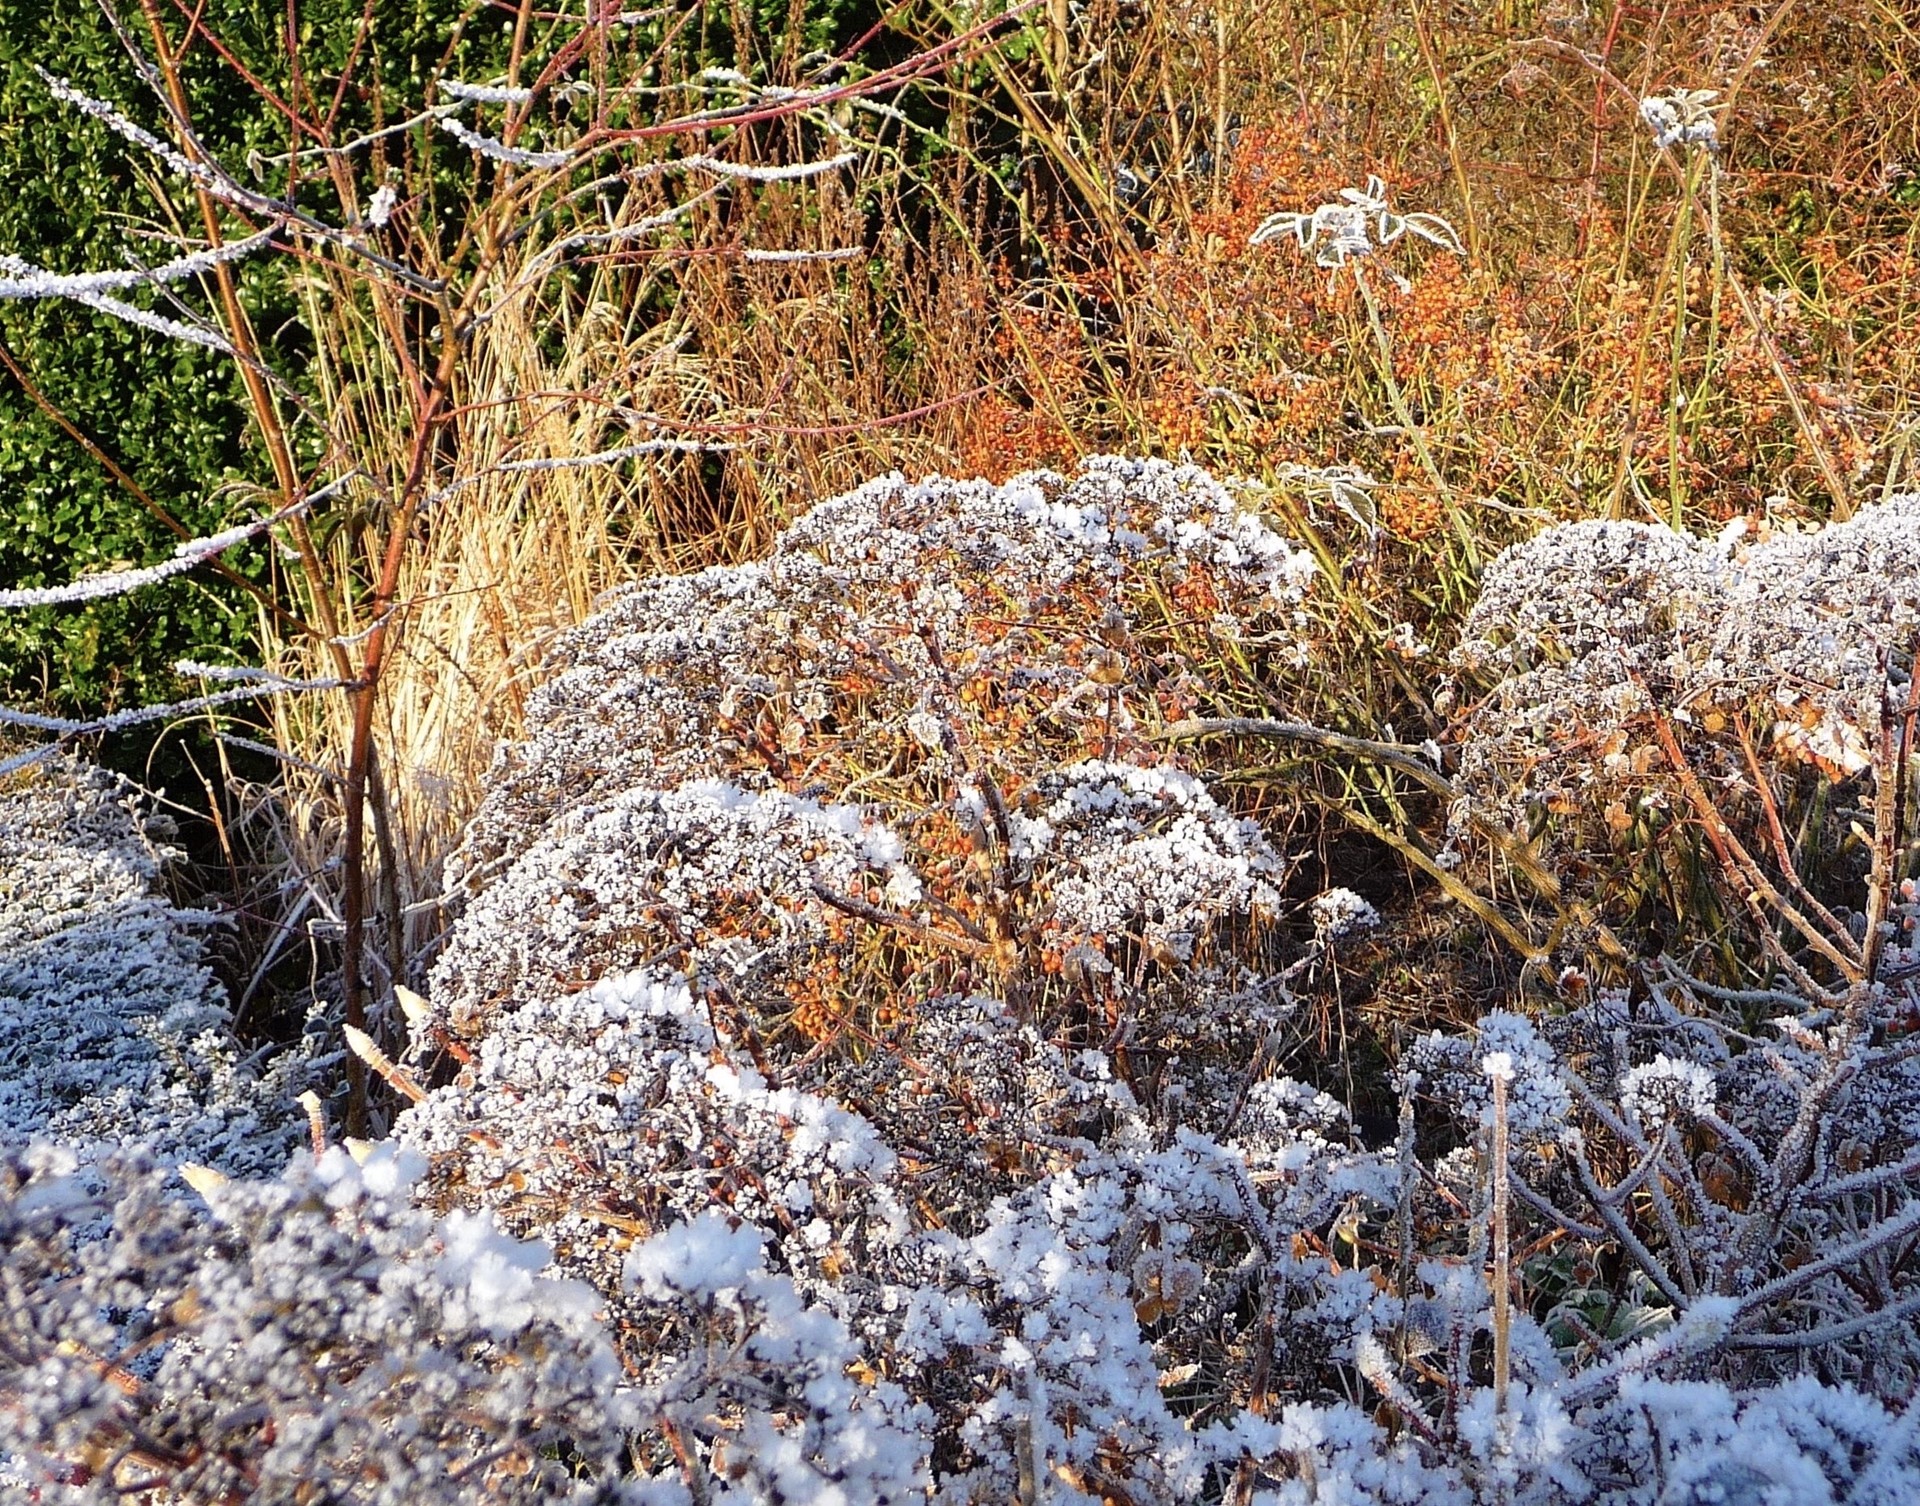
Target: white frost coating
{"points": [[1034, 1214], [1339, 913], [484, 94], [1577, 623], [20, 279], [1666, 1088], [111, 1028], [1145, 851], [186, 555], [499, 151], [703, 1257]]}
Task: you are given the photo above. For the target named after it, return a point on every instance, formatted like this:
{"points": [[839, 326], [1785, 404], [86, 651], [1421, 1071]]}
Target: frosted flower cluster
{"points": [[111, 1027], [1143, 851], [1051, 1224], [922, 610], [1666, 1088], [1456, 1072], [723, 878], [1586, 630], [1339, 914], [608, 1114]]}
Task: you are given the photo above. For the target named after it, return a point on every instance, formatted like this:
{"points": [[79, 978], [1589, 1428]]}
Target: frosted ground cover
{"points": [[848, 1080], [109, 1021]]}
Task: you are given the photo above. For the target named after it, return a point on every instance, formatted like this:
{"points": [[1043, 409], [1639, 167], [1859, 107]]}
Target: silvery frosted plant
{"points": [[112, 1029], [1355, 225], [1590, 625], [1683, 118], [880, 1024], [1646, 686], [312, 1335]]}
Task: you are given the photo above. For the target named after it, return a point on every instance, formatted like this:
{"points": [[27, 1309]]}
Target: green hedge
{"points": [[74, 197]]}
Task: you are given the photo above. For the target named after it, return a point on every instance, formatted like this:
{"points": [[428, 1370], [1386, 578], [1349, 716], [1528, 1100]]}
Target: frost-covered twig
{"points": [[186, 556], [499, 151], [134, 716], [21, 279]]}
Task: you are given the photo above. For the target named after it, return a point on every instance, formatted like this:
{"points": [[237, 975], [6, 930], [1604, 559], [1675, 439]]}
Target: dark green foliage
{"points": [[74, 197]]}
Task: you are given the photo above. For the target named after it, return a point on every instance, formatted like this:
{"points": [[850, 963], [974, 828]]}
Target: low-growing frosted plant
{"points": [[313, 1333], [112, 1029], [1683, 118]]}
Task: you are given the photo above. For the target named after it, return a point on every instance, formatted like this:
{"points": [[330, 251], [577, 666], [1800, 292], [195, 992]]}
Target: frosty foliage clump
{"points": [[1592, 631], [854, 1075], [1145, 851], [312, 1330], [112, 1029], [903, 608]]}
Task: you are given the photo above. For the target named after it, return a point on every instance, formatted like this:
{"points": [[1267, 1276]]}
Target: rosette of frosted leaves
{"points": [[1683, 118], [1354, 224], [312, 1328], [112, 1029], [1147, 852], [619, 1109], [610, 888]]}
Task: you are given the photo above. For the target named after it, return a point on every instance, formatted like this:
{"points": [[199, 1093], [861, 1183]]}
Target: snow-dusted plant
{"points": [[112, 1028], [1075, 1238], [1683, 118], [1650, 690], [311, 1333]]}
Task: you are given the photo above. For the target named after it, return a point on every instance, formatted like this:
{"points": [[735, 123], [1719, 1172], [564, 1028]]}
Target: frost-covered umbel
{"points": [[111, 1028]]}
